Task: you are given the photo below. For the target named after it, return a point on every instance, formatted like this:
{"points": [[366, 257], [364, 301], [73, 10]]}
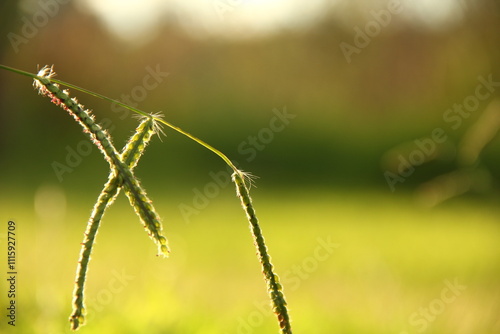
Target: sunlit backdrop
{"points": [[372, 127]]}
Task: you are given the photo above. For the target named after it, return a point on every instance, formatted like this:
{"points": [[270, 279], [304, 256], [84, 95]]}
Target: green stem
{"points": [[138, 111]]}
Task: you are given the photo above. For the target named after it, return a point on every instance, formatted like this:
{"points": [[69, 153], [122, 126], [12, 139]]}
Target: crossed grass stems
{"points": [[121, 176]]}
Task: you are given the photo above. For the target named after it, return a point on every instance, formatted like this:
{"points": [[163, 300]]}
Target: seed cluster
{"points": [[135, 192], [130, 156], [121, 166], [61, 98], [274, 287]]}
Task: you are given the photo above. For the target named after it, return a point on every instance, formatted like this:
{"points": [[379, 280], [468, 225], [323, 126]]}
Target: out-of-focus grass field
{"points": [[386, 260], [320, 105]]}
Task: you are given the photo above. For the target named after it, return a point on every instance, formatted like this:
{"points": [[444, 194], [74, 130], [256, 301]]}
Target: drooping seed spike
{"points": [[136, 194], [134, 190], [146, 212], [83, 116], [274, 287], [137, 143], [130, 156]]}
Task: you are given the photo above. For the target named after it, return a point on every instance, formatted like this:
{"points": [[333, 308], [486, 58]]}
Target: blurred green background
{"points": [[376, 194]]}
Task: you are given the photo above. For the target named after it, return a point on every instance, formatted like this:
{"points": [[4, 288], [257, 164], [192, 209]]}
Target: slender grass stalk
{"points": [[138, 111], [130, 155], [274, 287]]}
